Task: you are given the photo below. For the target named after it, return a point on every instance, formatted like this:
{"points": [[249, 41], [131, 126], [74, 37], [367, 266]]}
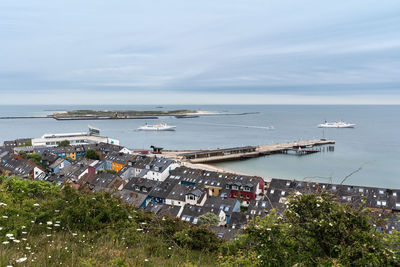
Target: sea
{"points": [[368, 155]]}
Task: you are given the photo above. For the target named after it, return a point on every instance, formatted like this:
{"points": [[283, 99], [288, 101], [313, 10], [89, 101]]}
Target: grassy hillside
{"points": [[41, 225]]}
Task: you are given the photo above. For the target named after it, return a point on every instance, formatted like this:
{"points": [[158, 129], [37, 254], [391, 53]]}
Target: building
{"points": [[159, 169], [117, 160], [81, 138]]}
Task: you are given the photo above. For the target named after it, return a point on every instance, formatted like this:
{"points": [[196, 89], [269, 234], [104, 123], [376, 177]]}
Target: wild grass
{"points": [[41, 225]]}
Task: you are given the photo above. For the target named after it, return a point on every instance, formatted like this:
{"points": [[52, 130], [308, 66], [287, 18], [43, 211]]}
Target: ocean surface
{"points": [[374, 145]]}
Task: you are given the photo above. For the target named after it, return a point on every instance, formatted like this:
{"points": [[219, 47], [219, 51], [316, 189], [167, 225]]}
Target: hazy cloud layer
{"points": [[291, 51]]}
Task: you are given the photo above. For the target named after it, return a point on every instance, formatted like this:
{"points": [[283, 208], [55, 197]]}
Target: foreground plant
{"points": [[313, 231]]}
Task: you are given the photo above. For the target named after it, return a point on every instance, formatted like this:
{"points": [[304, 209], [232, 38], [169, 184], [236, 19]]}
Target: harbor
{"points": [[238, 153]]}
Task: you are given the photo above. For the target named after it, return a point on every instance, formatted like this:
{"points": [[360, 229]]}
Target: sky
{"points": [[199, 52]]}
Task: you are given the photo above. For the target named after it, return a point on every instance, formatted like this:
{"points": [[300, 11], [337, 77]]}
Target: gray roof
{"points": [[118, 157], [139, 184], [134, 198], [179, 191], [159, 164], [163, 189]]}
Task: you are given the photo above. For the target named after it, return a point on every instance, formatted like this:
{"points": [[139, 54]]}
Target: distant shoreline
{"points": [[74, 115]]}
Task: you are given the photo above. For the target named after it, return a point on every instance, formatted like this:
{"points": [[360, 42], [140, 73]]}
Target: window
{"points": [[272, 191], [395, 194], [381, 192], [378, 203], [283, 193], [195, 220], [397, 204], [248, 196], [234, 187], [383, 202], [191, 197], [227, 186]]}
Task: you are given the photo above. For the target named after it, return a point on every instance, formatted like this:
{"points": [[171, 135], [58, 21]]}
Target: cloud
{"points": [[243, 47]]}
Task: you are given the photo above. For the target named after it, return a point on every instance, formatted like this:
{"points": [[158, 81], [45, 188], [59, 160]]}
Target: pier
{"points": [[238, 153]]}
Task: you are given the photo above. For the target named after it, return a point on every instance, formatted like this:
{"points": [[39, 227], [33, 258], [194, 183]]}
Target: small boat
{"points": [[338, 124], [157, 127]]}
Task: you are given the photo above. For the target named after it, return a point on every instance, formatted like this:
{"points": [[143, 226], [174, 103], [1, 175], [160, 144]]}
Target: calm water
{"points": [[374, 144]]}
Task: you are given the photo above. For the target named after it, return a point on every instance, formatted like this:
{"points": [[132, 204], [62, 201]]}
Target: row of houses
{"points": [[162, 186]]}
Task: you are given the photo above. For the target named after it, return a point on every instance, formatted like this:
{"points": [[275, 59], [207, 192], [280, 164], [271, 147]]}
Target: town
{"points": [[149, 180]]}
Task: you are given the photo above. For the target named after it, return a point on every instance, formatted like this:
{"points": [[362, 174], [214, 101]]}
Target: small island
{"points": [[87, 114]]}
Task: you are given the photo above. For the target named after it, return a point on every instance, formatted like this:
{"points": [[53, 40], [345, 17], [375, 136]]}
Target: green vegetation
{"points": [[27, 143], [121, 113], [34, 157], [208, 218], [64, 143], [107, 171], [43, 225], [314, 231], [92, 154], [47, 225]]}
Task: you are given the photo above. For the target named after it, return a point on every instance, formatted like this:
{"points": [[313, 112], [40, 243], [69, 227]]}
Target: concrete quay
{"points": [[237, 153]]}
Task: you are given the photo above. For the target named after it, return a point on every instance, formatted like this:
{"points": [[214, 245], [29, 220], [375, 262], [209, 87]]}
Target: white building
{"points": [[82, 138]]}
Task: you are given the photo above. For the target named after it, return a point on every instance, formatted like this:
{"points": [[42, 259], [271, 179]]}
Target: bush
{"points": [[315, 230], [198, 238], [64, 143], [92, 154]]}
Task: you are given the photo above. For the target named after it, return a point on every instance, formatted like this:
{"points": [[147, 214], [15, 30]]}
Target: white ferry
{"points": [[157, 127], [338, 124]]}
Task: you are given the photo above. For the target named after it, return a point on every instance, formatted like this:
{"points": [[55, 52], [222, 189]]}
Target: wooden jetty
{"points": [[237, 153]]}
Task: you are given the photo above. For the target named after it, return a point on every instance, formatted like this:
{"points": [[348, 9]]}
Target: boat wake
{"points": [[237, 125]]}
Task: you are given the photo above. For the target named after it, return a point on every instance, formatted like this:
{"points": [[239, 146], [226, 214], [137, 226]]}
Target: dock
{"points": [[238, 153]]}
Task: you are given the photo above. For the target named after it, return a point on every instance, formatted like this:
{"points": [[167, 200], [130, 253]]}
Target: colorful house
{"points": [[117, 160]]}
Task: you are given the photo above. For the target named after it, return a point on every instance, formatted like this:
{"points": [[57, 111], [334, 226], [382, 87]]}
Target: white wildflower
{"points": [[5, 242], [56, 225], [48, 235], [139, 229], [5, 217], [36, 205], [74, 234], [268, 229], [146, 260], [9, 235], [3, 204], [49, 223], [1, 228], [24, 239], [130, 217], [28, 248], [21, 260], [24, 233], [16, 241], [23, 227]]}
